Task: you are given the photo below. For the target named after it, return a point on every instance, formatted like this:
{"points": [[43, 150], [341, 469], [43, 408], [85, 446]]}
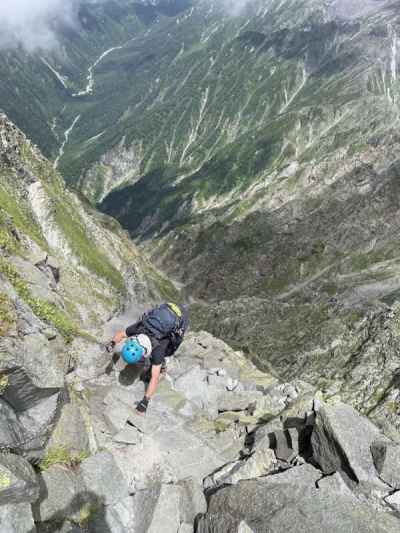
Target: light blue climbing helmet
{"points": [[136, 349], [132, 352]]}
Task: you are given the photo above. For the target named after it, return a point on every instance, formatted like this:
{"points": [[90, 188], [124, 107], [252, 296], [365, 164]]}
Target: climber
{"points": [[157, 335]]}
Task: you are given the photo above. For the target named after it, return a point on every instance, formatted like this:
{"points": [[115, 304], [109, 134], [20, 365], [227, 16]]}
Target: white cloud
{"points": [[34, 23]]}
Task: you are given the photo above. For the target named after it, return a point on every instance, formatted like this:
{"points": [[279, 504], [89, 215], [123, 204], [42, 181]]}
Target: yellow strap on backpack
{"points": [[175, 309]]}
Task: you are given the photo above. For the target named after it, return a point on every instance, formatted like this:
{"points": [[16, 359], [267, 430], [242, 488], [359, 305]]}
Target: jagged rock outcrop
{"points": [[157, 462], [64, 271], [18, 480], [187, 466], [338, 487]]}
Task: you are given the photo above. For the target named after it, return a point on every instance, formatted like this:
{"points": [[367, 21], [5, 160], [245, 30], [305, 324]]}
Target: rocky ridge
{"points": [[64, 271], [223, 448]]}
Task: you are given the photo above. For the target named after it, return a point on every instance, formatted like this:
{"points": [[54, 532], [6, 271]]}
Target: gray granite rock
{"points": [[268, 406], [60, 491], [116, 416], [45, 360], [12, 432], [39, 284], [231, 401], [16, 518], [39, 420], [244, 528], [193, 501], [147, 424], [261, 463], [193, 384], [166, 514], [186, 528], [334, 484], [117, 518], [386, 456], [21, 392], [18, 480], [291, 503], [101, 475], [70, 430], [341, 441], [91, 359], [128, 435], [394, 501]]}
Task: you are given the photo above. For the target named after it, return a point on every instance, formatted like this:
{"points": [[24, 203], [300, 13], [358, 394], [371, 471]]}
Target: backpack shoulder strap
{"points": [[175, 308]]}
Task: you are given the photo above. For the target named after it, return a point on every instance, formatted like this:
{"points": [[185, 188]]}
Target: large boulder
{"points": [[166, 516], [267, 406], [39, 422], [341, 442], [16, 518], [116, 518], [27, 412], [60, 495], [237, 401], [20, 391], [12, 432], [45, 360], [193, 501], [193, 384], [101, 475], [158, 509], [260, 463], [386, 455], [291, 502], [70, 430], [18, 480], [83, 494]]}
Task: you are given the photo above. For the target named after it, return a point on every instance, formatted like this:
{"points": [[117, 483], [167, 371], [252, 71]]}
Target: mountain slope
{"points": [[38, 87], [289, 234], [64, 269], [262, 172]]}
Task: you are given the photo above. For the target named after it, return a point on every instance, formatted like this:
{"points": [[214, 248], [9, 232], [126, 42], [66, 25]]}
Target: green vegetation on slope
{"points": [[46, 311], [14, 215]]}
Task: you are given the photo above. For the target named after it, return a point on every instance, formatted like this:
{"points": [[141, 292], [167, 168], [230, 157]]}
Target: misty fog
{"points": [[32, 23]]}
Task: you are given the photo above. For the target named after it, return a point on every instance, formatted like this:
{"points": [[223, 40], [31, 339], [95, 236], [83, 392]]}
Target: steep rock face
{"points": [[64, 271], [57, 249]]}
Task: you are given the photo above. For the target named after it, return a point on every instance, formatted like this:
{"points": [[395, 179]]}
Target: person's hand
{"points": [[142, 406], [110, 346], [119, 336]]}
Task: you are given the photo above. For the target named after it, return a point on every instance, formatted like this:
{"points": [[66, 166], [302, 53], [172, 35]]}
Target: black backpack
{"points": [[166, 321]]}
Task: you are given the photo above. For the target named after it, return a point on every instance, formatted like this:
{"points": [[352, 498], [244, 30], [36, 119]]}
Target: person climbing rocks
{"points": [[156, 336]]}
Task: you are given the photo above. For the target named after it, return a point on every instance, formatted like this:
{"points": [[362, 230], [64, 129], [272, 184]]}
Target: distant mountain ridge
{"points": [[37, 88]]}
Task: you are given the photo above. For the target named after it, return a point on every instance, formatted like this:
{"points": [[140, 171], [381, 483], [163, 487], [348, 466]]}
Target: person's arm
{"points": [[129, 332], [150, 391], [152, 386]]}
